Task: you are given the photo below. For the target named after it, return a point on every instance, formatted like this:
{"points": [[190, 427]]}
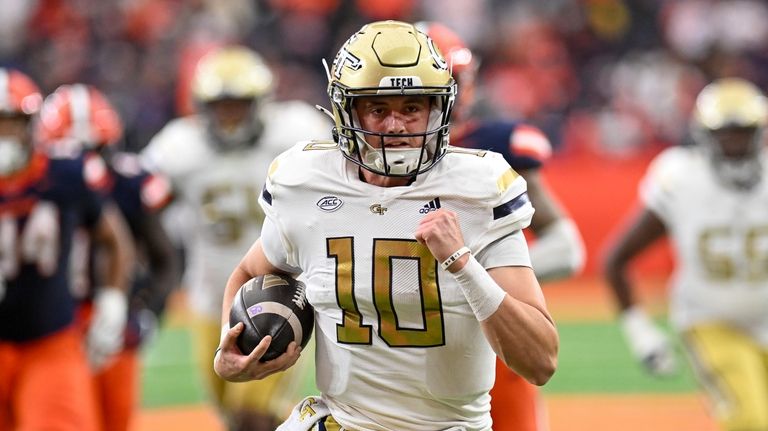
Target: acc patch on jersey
{"points": [[329, 203]]}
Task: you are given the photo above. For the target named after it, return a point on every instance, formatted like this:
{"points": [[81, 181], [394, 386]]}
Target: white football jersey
{"points": [[221, 189], [720, 237], [398, 346]]}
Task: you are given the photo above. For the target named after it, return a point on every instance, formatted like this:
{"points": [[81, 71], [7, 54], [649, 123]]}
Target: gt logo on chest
{"points": [[378, 209]]}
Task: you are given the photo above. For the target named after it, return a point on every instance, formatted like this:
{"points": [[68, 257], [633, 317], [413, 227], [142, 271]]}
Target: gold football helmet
{"points": [[390, 58], [729, 119], [228, 86]]}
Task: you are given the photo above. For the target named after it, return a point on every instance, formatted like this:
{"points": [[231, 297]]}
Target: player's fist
{"points": [[649, 344], [441, 233]]}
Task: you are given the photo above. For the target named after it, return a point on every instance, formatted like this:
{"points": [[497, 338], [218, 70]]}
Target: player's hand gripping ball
{"points": [[273, 305]]}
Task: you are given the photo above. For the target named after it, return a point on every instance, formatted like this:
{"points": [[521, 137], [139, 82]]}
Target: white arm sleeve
{"points": [[273, 247], [510, 250], [558, 251]]}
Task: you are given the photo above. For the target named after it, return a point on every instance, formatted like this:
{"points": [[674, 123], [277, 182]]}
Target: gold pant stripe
{"points": [[733, 370], [716, 388]]}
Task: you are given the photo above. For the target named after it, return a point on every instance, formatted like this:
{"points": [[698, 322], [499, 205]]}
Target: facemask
{"points": [[742, 173], [242, 135], [13, 154], [400, 161]]}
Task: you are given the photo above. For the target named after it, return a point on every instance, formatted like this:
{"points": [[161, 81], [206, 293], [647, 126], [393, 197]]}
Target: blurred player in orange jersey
{"points": [[557, 251], [80, 119], [44, 376]]}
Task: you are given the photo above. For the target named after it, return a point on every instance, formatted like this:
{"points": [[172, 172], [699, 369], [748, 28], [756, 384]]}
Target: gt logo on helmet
{"points": [[440, 61], [345, 58]]}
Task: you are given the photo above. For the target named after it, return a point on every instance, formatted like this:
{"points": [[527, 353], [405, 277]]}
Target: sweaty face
{"points": [[394, 115]]}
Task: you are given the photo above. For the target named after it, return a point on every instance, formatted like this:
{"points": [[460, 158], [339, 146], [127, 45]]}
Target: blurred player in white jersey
{"points": [[217, 161], [557, 251], [712, 200], [412, 253]]}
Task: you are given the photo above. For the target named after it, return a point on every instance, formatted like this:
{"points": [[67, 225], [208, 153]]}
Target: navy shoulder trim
{"points": [[510, 206]]}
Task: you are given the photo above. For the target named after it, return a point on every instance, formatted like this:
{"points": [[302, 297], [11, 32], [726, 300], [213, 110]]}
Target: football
{"points": [[273, 305]]}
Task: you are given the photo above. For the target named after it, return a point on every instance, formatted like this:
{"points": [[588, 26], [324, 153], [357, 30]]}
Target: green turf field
{"points": [[169, 375], [593, 359]]}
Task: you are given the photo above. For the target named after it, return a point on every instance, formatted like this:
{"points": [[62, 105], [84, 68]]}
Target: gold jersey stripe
{"points": [[272, 168], [506, 179], [320, 145]]}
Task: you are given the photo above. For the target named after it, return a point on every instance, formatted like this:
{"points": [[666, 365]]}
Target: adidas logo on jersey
{"points": [[432, 205]]}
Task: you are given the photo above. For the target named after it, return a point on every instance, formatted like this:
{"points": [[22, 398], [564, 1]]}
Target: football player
{"points": [[419, 275], [711, 199], [79, 118], [557, 251], [44, 376], [216, 160]]}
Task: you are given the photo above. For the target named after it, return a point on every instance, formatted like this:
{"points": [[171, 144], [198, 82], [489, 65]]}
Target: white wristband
{"points": [[454, 257], [483, 294]]}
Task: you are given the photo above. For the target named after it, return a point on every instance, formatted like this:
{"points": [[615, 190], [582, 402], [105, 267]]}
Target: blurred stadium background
{"points": [[610, 81]]}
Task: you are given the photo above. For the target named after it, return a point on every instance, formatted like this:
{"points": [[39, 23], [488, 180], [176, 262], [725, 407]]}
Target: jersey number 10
{"points": [[352, 330]]}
